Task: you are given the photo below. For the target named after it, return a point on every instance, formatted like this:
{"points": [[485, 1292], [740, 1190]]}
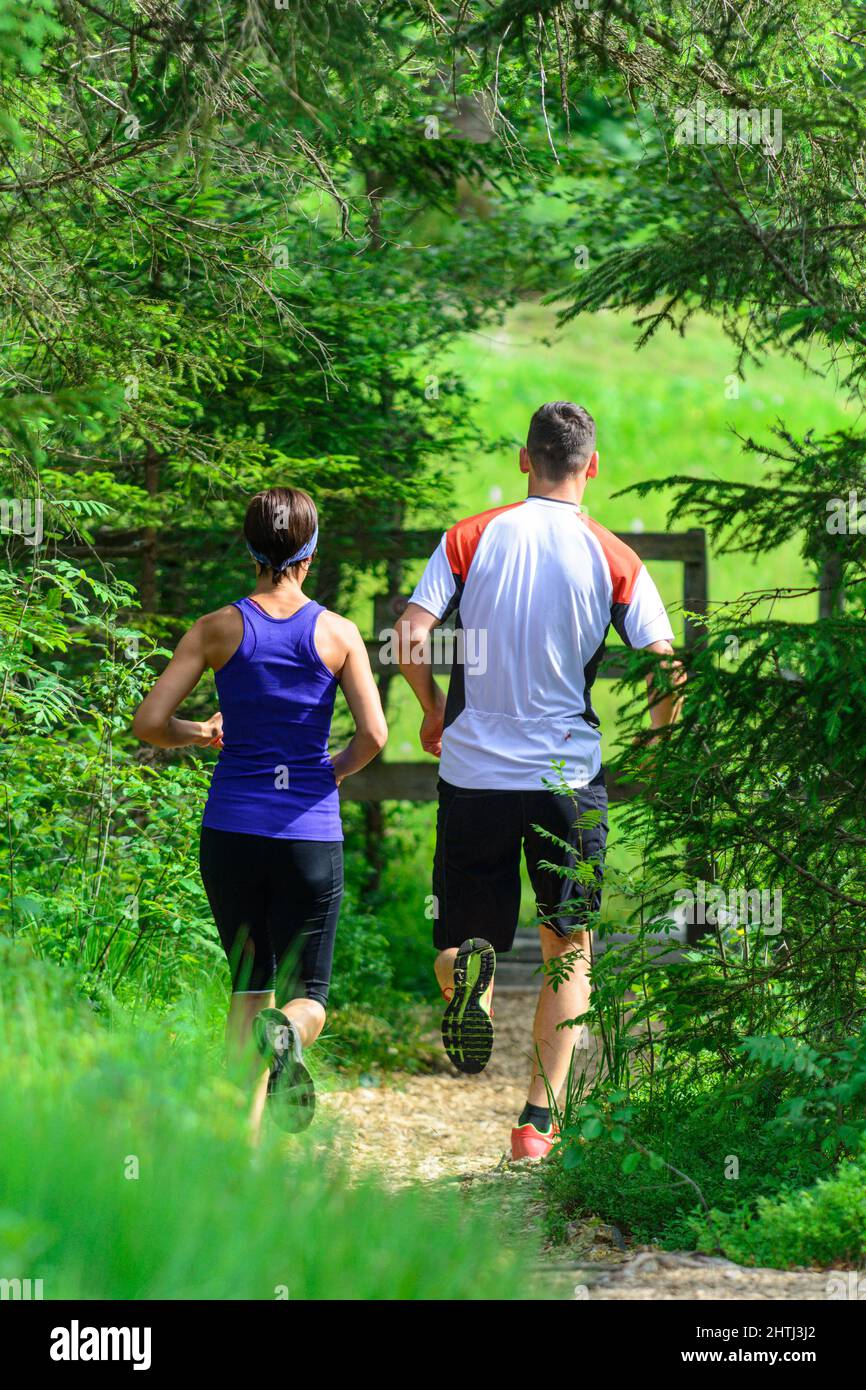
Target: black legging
{"points": [[275, 904]]}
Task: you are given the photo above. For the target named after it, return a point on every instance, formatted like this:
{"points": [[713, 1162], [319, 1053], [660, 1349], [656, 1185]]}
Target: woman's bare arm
{"points": [[362, 695], [155, 720]]}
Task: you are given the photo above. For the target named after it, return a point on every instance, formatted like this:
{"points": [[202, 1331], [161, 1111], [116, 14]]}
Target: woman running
{"points": [[271, 841]]}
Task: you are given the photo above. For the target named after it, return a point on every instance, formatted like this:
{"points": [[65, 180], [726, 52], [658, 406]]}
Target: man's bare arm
{"points": [[413, 632], [664, 708]]}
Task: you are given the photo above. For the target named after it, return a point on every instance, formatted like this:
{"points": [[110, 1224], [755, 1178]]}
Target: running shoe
{"points": [[467, 1024], [291, 1093], [529, 1142]]}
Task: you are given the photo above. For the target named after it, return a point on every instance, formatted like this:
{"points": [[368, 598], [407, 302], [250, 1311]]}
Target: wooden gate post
{"points": [[699, 863]]}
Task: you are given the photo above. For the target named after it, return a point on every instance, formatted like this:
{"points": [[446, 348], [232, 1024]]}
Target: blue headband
{"points": [[303, 554]]}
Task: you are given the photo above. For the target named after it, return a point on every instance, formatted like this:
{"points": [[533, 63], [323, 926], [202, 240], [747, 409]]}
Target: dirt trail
{"points": [[445, 1127], [443, 1124]]}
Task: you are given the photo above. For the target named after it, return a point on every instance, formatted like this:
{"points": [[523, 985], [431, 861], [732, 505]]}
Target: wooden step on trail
{"points": [[520, 968]]}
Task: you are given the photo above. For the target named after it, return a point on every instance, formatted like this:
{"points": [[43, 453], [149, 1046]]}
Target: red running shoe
{"points": [[529, 1142]]}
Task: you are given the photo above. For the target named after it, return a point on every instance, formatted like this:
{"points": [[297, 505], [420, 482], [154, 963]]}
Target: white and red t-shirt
{"points": [[536, 586]]}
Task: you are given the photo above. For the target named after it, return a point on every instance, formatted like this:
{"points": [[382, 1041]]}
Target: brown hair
{"points": [[278, 523], [561, 440]]}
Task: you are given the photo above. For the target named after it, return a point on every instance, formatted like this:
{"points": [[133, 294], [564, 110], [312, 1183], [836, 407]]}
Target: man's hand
{"points": [[664, 709], [432, 725]]}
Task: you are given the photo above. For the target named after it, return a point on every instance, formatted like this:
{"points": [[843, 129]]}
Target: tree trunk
{"points": [[150, 548], [831, 595]]}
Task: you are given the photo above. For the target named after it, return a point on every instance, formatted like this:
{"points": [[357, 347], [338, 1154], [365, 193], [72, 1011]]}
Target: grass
{"points": [[127, 1175]]}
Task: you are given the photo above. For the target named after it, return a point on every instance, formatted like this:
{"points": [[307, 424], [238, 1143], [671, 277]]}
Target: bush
{"points": [[645, 1162], [824, 1225]]}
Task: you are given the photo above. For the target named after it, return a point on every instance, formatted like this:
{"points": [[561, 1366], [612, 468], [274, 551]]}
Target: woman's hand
{"points": [[340, 772], [210, 732]]}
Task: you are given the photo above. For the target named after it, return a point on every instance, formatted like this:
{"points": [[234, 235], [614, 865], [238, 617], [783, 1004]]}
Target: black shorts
{"points": [[476, 871], [275, 904]]}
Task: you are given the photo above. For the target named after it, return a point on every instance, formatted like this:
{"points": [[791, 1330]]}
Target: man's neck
{"points": [[570, 490]]}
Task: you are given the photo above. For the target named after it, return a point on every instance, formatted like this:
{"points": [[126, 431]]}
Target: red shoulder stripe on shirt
{"points": [[461, 539], [622, 562]]}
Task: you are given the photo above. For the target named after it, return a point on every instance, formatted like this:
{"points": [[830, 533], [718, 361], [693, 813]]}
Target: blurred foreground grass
{"points": [[126, 1174]]}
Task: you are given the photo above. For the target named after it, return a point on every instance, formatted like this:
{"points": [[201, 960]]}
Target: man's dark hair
{"points": [[561, 440]]}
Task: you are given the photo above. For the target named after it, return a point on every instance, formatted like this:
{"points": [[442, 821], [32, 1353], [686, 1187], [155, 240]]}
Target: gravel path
{"points": [[445, 1127]]}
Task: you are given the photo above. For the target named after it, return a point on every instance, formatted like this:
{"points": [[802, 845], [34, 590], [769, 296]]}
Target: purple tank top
{"points": [[274, 776]]}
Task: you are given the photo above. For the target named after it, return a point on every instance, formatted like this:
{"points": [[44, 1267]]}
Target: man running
{"points": [[535, 586]]}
